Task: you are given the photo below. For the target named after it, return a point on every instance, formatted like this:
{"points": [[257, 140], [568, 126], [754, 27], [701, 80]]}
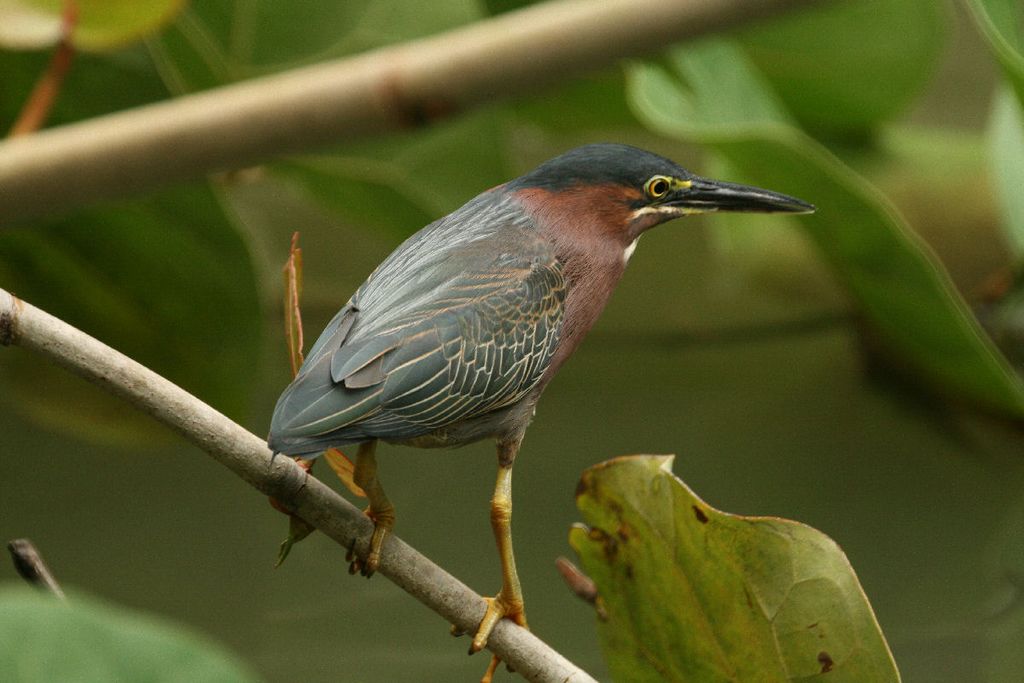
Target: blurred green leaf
{"points": [[1006, 150], [716, 98], [165, 280], [695, 594], [593, 101], [405, 181], [215, 42], [279, 33], [1002, 24], [842, 68], [96, 84], [499, 6], [99, 24], [43, 639]]}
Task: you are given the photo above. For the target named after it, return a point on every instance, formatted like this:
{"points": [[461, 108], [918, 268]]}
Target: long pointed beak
{"points": [[705, 195]]}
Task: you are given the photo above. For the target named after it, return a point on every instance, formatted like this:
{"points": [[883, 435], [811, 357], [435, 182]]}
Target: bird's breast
{"points": [[589, 283], [585, 226]]}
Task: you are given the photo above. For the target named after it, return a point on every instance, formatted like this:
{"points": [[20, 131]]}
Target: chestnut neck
{"points": [[588, 227]]}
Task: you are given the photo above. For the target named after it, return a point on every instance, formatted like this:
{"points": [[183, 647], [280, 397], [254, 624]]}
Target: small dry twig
{"points": [[40, 101], [29, 564]]}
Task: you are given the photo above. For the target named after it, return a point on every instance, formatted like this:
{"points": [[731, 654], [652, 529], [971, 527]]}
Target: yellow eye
{"points": [[657, 187]]}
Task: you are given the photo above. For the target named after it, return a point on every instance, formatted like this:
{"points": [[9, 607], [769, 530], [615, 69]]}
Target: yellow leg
{"points": [[381, 511], [508, 603]]}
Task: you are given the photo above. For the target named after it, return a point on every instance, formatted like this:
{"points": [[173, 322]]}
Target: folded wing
{"points": [[474, 333]]}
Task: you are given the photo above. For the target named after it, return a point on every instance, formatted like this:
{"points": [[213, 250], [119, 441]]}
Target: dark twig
{"points": [[581, 585], [29, 564]]}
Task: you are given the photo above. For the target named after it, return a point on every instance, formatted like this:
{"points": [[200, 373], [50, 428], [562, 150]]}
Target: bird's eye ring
{"points": [[657, 187]]}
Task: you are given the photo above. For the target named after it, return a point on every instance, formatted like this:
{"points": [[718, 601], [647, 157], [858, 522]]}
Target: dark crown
{"points": [[602, 163]]}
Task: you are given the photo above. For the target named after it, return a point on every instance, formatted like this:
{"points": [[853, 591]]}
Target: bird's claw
{"points": [[498, 608], [368, 566]]}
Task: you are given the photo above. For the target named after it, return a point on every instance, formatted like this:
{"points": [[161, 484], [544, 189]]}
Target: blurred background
{"points": [[736, 345]]}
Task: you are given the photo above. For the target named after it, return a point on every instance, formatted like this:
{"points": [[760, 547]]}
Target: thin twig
{"points": [[581, 585], [383, 90], [43, 96], [247, 455], [29, 564]]}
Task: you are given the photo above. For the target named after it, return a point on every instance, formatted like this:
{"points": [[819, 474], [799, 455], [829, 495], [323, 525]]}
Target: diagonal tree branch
{"points": [[394, 87], [247, 455]]}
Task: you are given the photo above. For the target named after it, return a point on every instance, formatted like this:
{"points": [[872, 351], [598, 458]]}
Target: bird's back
{"points": [[460, 321]]}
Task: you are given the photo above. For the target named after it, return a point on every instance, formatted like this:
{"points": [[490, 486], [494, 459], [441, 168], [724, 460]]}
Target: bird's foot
{"points": [[498, 608], [381, 526]]}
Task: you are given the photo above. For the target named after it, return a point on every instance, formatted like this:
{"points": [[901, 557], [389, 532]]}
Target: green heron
{"points": [[455, 335]]}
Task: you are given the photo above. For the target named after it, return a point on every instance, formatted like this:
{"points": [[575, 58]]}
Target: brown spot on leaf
{"points": [[611, 548], [699, 514], [581, 486], [625, 531], [826, 662], [816, 627], [609, 545]]}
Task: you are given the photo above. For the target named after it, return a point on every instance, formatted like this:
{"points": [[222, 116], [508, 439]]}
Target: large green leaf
{"points": [[165, 280], [1006, 150], [695, 594], [403, 182], [43, 639], [844, 67], [1002, 24], [714, 97], [214, 42]]}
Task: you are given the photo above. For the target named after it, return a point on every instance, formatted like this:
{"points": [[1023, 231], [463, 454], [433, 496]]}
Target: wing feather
{"points": [[484, 326]]}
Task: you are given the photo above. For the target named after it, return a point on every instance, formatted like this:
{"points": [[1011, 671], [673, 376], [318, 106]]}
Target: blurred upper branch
{"points": [[396, 87]]}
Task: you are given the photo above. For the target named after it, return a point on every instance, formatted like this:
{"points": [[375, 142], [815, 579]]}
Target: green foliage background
{"points": [[827, 371]]}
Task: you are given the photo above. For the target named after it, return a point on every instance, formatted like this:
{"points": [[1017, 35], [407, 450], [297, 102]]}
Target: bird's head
{"points": [[632, 190]]}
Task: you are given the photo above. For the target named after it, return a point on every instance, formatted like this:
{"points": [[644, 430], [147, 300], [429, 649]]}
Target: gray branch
{"points": [[386, 89], [247, 455]]}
